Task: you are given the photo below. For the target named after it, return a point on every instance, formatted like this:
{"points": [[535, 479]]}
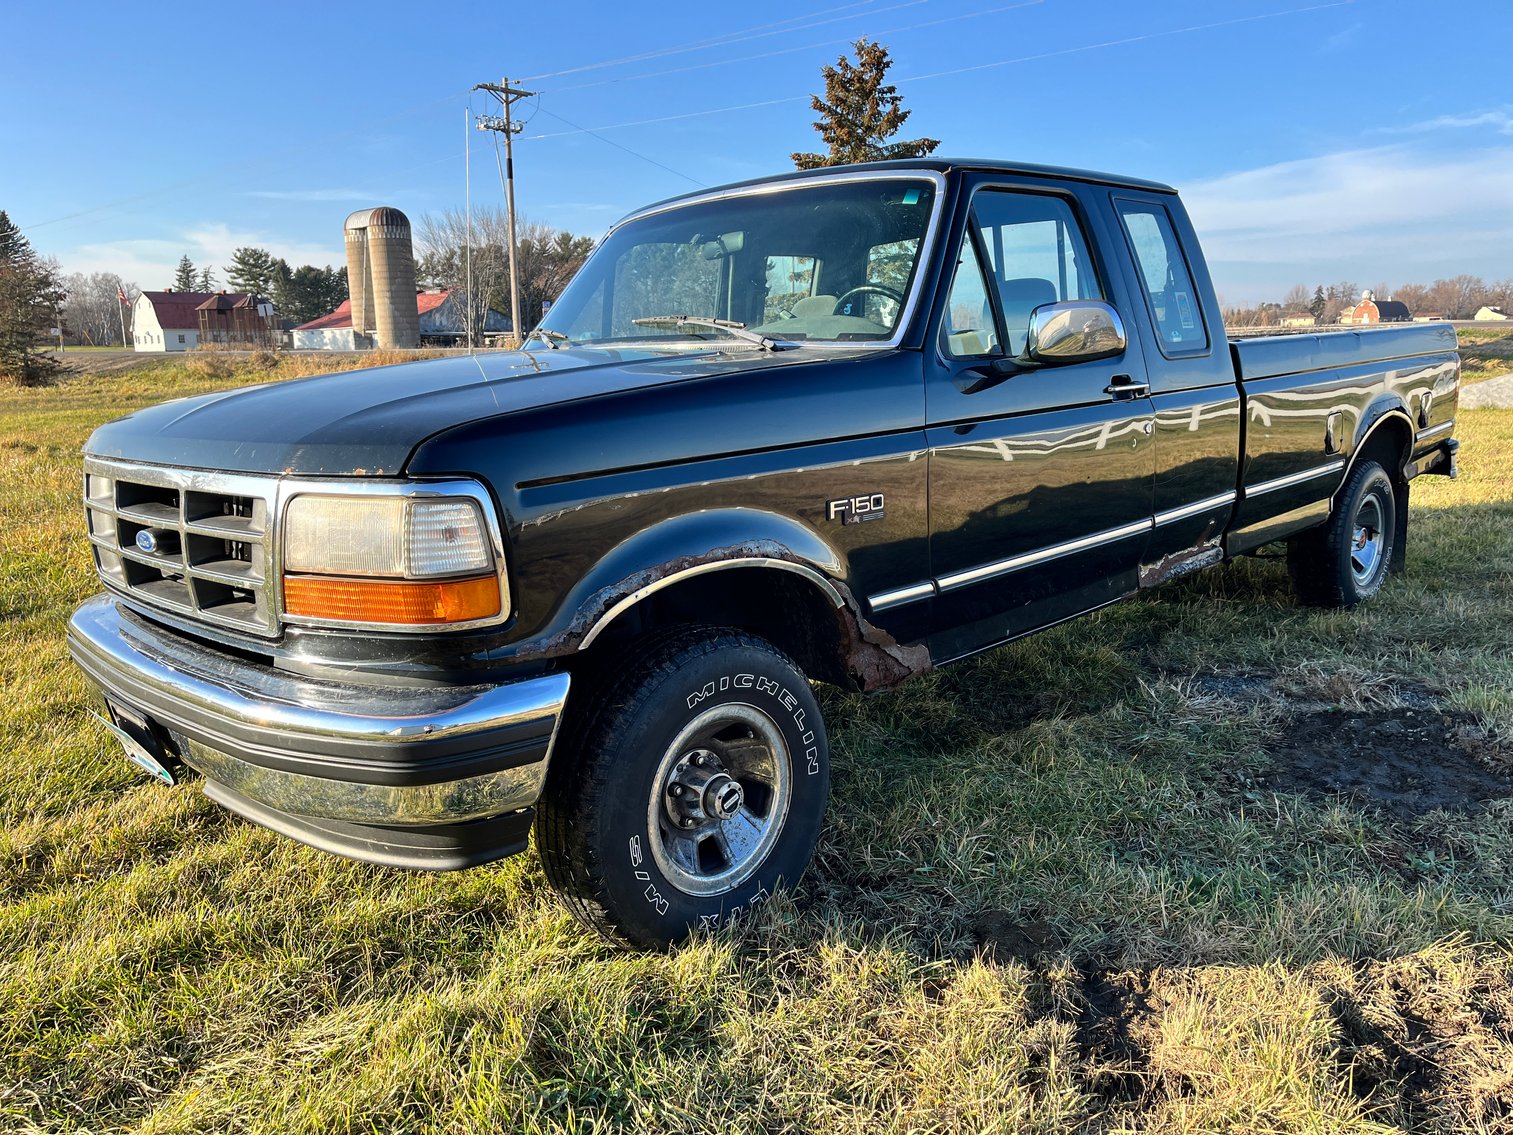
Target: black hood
{"points": [[367, 422]]}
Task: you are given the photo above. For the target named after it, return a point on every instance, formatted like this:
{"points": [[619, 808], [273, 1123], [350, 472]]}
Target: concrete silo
{"points": [[381, 277]]}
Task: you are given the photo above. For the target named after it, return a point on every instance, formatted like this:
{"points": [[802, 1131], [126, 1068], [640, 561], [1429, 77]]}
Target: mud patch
{"points": [[1406, 762], [1112, 1008], [1000, 936]]}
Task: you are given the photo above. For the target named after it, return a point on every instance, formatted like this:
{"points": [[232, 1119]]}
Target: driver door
{"points": [[1041, 477]]}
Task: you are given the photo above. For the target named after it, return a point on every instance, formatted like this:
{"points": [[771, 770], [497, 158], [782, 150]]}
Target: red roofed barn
{"points": [[440, 323], [167, 321]]}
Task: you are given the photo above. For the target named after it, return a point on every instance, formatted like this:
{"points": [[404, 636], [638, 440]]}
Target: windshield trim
{"points": [[926, 244]]}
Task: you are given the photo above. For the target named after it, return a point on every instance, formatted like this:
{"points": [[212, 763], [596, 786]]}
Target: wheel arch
{"points": [[1387, 436], [1386, 431], [746, 568]]}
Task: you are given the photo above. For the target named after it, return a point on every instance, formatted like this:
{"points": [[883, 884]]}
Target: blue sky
{"points": [[1363, 140]]}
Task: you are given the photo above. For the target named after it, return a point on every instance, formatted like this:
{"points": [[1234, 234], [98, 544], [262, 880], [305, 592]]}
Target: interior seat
{"points": [[1020, 297]]}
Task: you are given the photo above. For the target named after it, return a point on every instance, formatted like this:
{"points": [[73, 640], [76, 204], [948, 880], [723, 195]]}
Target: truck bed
{"points": [[1268, 356]]}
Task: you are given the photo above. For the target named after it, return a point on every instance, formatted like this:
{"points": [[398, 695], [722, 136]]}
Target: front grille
{"points": [[206, 552]]}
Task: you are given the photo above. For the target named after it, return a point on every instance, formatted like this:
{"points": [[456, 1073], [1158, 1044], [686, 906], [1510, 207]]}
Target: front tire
{"points": [[1345, 560], [691, 785]]}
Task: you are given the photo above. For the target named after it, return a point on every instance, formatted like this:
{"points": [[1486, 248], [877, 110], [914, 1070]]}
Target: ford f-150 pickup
{"points": [[837, 426]]}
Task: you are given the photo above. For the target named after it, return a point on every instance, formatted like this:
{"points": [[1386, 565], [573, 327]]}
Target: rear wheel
{"points": [[692, 786], [1345, 560]]}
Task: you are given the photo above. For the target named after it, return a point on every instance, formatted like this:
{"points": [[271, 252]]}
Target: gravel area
{"points": [[1494, 394]]}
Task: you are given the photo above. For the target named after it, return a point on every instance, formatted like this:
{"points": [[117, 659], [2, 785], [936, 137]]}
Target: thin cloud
{"points": [[1500, 119], [1341, 39], [314, 194], [1392, 212]]}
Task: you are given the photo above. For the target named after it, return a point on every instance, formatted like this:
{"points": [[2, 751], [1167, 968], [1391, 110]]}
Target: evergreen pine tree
{"points": [[1318, 303], [30, 297], [183, 279], [12, 243], [205, 281], [251, 271], [860, 112]]}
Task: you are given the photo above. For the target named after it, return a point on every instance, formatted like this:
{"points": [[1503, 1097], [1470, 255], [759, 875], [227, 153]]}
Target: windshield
{"points": [[832, 261]]}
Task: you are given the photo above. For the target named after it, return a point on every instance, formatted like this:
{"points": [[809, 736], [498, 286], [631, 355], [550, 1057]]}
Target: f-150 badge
{"points": [[855, 510]]}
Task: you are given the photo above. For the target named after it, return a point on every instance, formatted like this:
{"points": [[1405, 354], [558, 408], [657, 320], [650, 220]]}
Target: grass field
{"points": [[1203, 862], [1486, 352]]}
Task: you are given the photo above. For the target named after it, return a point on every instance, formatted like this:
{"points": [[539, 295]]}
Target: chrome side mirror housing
{"points": [[1074, 331]]}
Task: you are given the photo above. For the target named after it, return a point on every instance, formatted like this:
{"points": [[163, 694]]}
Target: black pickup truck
{"points": [[840, 426]]}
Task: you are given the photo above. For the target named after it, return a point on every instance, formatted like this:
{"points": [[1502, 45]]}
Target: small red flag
{"points": [[120, 295]]}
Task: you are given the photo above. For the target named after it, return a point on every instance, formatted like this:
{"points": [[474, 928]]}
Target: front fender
{"points": [[674, 549]]}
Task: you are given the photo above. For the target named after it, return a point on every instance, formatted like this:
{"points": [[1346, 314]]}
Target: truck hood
{"points": [[367, 422]]}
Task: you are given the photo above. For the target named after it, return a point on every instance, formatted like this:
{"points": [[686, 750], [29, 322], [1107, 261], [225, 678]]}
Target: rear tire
{"points": [[1345, 560], [690, 785]]}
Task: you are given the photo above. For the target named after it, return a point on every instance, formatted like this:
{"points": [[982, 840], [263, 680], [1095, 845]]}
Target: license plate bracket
{"points": [[135, 736]]}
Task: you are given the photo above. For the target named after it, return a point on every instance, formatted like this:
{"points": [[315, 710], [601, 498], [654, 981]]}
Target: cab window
{"points": [[1037, 254], [1167, 283]]}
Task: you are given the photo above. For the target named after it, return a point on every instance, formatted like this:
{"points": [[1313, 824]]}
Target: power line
{"points": [[611, 142], [801, 47], [964, 70], [1127, 40], [757, 31]]}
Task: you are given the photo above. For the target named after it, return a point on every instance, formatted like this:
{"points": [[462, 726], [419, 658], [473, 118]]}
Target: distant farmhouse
{"points": [[181, 321], [1373, 310], [1495, 314], [441, 324]]}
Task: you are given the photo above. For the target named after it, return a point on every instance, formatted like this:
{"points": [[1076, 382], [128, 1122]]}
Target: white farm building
{"points": [[167, 321]]}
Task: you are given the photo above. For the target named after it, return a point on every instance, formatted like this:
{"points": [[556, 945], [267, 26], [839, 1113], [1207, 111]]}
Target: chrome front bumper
{"points": [[281, 748]]}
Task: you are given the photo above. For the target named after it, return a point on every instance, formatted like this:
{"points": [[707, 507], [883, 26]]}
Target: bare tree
{"points": [[546, 259], [93, 312]]}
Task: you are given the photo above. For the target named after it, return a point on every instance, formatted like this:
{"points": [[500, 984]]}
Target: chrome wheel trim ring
{"points": [[749, 747], [1367, 541]]}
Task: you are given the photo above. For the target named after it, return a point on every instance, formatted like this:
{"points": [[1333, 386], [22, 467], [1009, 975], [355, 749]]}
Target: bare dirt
{"points": [[1406, 762]]}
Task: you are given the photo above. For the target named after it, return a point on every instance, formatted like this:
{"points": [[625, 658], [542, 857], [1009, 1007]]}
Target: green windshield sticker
{"points": [[911, 197]]}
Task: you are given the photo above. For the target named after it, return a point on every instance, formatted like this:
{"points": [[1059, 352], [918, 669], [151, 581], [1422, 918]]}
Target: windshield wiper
{"points": [[731, 326], [550, 338]]}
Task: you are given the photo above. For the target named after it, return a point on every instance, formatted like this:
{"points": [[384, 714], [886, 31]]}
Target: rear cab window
{"points": [[1164, 277]]}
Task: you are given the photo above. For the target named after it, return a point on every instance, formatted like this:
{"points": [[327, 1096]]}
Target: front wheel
{"points": [[1345, 560], [693, 786]]}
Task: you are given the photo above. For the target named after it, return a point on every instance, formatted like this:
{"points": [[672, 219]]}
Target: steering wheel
{"points": [[866, 290]]}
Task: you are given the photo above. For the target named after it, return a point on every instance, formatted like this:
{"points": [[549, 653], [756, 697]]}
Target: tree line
{"points": [[1459, 297]]}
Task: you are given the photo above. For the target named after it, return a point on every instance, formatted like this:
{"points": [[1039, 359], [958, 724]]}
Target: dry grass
{"points": [[1486, 352], [1061, 889]]}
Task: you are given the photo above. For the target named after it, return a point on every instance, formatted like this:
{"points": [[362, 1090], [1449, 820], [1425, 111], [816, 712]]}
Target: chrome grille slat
{"points": [[226, 527], [149, 513], [216, 563]]}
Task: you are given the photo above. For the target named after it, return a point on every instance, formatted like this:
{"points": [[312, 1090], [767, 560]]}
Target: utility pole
{"points": [[507, 95]]}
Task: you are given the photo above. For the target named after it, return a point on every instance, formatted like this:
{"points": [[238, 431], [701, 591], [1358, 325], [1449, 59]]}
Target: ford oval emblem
{"points": [[147, 540]]}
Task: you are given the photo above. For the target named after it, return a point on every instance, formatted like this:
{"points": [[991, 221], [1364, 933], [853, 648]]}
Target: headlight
{"points": [[389, 559]]}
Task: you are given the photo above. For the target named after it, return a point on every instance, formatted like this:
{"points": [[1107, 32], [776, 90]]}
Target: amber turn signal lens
{"points": [[392, 601]]}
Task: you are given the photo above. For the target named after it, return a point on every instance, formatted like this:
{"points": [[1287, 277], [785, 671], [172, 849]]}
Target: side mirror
{"points": [[1075, 331]]}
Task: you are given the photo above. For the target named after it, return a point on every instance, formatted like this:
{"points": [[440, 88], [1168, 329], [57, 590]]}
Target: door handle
{"points": [[1125, 386]]}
